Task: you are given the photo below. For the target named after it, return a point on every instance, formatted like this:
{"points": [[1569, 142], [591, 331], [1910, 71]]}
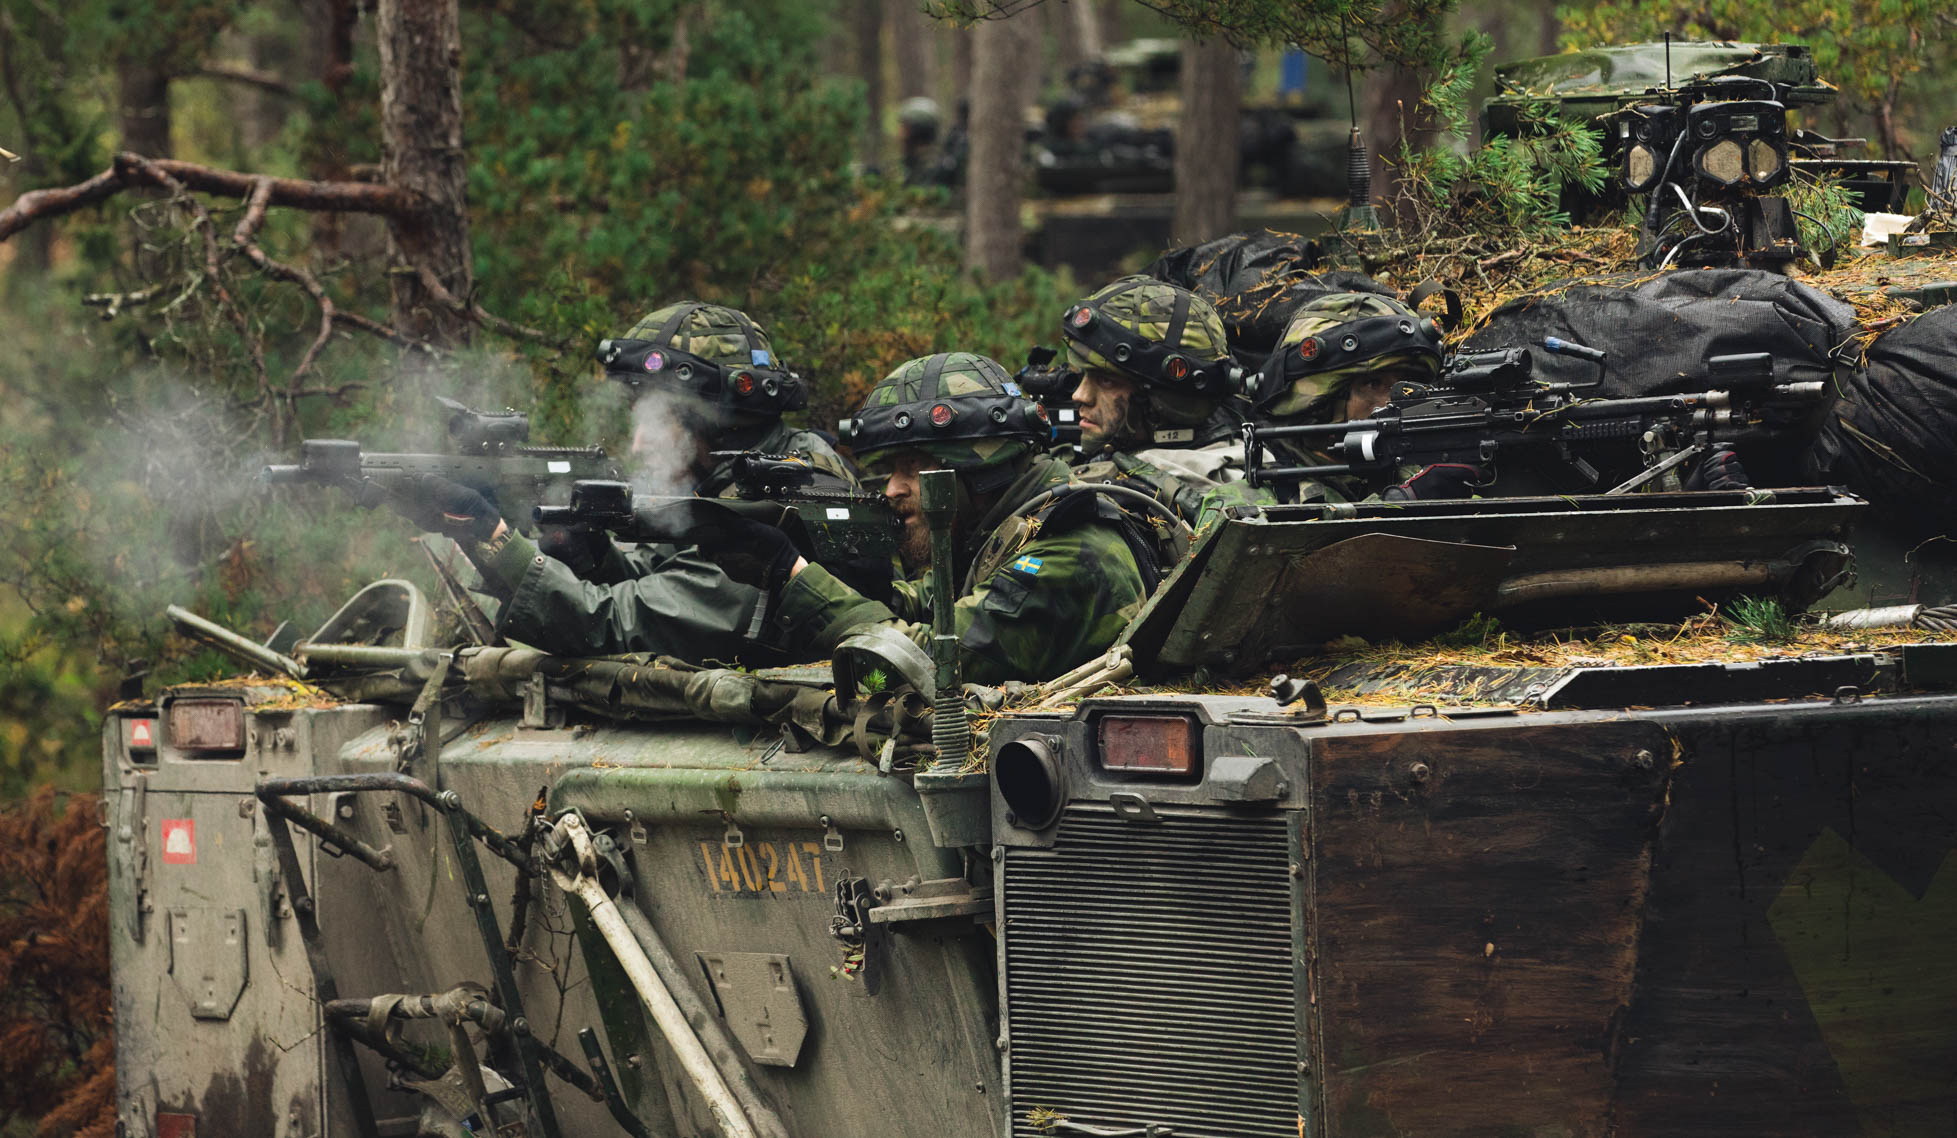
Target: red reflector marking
{"points": [[142, 734], [176, 1125], [180, 844]]}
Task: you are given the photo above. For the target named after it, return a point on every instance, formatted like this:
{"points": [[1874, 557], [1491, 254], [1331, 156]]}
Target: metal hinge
{"points": [[932, 900]]}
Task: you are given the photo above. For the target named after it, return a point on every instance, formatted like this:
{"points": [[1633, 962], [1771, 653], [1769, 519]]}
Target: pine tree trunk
{"points": [[143, 107], [1550, 30], [911, 38], [328, 52], [421, 136], [1087, 28], [996, 173], [1206, 142], [868, 18], [1060, 29], [1391, 94], [962, 41]]}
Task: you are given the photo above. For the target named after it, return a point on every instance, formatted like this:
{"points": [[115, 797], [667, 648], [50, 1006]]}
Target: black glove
{"points": [[438, 505], [1719, 470], [869, 576], [1443, 480], [751, 552], [578, 547]]}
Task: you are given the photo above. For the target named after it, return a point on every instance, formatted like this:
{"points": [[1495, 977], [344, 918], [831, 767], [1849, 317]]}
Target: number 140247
{"points": [[754, 868]]}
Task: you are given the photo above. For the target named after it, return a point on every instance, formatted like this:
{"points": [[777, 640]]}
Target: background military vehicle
{"points": [[1101, 150], [1602, 85], [1679, 889]]}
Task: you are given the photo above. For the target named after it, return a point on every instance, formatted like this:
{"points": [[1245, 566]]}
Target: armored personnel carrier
{"points": [[1702, 132], [1655, 881]]}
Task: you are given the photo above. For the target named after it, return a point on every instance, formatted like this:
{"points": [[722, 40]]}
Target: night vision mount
{"points": [[760, 387], [1709, 155], [1157, 363]]}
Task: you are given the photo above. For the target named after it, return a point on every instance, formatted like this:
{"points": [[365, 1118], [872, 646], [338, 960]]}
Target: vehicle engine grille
{"points": [[1149, 975]]}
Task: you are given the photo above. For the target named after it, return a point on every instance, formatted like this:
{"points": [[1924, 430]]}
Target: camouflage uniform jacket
{"points": [[649, 598], [1048, 593], [1201, 484]]}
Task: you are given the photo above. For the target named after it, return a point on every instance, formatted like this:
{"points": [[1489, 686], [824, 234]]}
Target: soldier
{"points": [[711, 372], [1045, 581], [704, 378], [1155, 397], [1338, 359]]}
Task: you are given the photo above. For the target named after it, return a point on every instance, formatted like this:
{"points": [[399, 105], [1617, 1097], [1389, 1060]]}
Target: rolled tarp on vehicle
{"points": [[1256, 280], [1892, 434], [1659, 331]]}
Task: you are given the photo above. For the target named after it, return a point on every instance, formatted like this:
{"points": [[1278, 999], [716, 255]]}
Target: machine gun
{"points": [[1052, 385], [1487, 404], [489, 453], [760, 477], [835, 527]]}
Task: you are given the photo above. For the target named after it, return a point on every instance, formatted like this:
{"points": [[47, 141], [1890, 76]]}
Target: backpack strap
{"points": [[1077, 506]]}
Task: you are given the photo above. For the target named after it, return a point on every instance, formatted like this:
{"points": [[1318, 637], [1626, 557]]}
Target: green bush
{"points": [[597, 200]]}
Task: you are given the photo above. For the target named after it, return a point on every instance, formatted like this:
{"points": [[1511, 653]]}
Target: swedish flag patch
{"points": [[1028, 565]]}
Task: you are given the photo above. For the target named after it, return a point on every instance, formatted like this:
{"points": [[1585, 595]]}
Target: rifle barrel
{"points": [[225, 640], [368, 656], [1316, 430]]}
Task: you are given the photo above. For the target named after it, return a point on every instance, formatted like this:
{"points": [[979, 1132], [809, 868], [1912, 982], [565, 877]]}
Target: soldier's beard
{"points": [[915, 550]]}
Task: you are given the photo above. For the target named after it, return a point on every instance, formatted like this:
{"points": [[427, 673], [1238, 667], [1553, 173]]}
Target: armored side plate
{"points": [[758, 998], [1258, 591]]}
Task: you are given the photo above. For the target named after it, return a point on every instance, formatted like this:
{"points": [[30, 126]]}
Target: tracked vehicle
{"points": [[1647, 892]]}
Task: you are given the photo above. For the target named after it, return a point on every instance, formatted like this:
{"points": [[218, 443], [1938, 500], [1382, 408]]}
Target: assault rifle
{"points": [[1489, 404], [490, 453], [1052, 386], [834, 526]]}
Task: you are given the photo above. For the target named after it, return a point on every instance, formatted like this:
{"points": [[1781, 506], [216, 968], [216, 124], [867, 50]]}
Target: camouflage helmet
{"points": [[1332, 341], [958, 407], [709, 351], [1166, 340]]}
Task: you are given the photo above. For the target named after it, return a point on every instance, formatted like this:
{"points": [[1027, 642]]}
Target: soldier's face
{"points": [[1375, 391], [1368, 395], [900, 490], [1103, 399], [669, 434]]}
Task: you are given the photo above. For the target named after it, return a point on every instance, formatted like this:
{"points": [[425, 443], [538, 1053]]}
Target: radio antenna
{"points": [[1668, 63]]}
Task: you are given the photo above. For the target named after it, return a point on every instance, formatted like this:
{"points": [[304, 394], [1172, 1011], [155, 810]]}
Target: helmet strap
{"points": [[672, 325]]}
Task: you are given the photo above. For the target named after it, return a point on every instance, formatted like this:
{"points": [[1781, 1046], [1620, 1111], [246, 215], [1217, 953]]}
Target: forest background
{"points": [[504, 183]]}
